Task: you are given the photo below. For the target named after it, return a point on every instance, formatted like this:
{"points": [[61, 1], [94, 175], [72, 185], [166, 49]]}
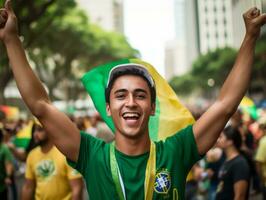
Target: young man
{"points": [[119, 172], [47, 174]]}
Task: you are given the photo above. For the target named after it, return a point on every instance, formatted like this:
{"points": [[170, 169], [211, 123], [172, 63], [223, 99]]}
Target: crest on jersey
{"points": [[162, 182]]}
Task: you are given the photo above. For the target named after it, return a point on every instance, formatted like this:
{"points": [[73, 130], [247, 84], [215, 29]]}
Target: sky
{"points": [[148, 25]]}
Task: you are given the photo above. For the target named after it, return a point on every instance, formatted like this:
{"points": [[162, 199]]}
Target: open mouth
{"points": [[131, 116]]}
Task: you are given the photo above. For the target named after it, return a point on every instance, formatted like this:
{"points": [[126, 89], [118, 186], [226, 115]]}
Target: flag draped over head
{"points": [[170, 115]]}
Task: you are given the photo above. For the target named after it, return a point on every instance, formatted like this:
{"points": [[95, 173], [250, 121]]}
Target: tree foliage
{"points": [[62, 44], [258, 84], [210, 70]]}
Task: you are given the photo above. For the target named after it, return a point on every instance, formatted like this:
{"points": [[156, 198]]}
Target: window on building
{"points": [[215, 21], [225, 22], [224, 8], [225, 35], [216, 35], [215, 9]]}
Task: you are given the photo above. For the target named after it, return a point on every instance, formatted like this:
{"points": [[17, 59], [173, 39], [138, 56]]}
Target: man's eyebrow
{"points": [[140, 90], [125, 90], [120, 90]]}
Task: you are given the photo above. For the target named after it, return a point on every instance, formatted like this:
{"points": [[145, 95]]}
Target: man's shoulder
{"points": [[263, 140], [35, 151], [182, 132]]}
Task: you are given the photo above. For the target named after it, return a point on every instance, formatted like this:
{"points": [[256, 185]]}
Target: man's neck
{"points": [[132, 146], [47, 146], [231, 153]]}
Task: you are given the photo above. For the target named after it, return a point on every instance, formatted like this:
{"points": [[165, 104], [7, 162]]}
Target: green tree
{"points": [[183, 85], [30, 13], [63, 44], [208, 72], [258, 83]]}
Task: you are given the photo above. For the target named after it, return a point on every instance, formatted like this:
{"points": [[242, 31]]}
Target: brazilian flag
{"points": [[249, 107], [170, 116], [23, 136]]}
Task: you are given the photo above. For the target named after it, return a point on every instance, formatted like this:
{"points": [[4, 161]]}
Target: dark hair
{"points": [[1, 135], [32, 144], [233, 134], [130, 70]]}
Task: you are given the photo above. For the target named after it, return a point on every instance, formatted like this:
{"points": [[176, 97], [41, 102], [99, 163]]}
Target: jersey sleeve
{"points": [[72, 173], [184, 146], [89, 145], [241, 171], [29, 173]]}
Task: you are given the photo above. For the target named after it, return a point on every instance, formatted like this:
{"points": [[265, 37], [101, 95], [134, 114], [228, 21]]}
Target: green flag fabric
{"points": [[170, 115]]}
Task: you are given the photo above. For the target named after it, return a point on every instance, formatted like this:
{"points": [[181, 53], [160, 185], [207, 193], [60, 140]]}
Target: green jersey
{"points": [[174, 158], [5, 156]]}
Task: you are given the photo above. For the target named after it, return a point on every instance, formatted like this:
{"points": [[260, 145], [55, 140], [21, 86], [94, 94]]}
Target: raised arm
{"points": [[61, 130], [209, 126]]}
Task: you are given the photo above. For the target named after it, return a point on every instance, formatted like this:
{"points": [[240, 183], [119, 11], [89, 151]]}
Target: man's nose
{"points": [[131, 101]]}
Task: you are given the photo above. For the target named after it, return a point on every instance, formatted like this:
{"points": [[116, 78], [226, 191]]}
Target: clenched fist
{"points": [[254, 21], [3, 17]]}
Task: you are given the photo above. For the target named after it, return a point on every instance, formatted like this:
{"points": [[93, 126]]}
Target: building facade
{"points": [[106, 13], [202, 26]]}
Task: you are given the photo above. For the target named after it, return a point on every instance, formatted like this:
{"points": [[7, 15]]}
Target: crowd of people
{"points": [[38, 169], [134, 166], [236, 164]]}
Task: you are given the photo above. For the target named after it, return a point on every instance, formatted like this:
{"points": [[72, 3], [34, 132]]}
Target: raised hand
{"points": [[8, 22], [254, 21]]}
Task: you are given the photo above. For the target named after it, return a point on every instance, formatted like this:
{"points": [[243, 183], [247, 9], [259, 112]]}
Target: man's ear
{"points": [[108, 111], [153, 107]]}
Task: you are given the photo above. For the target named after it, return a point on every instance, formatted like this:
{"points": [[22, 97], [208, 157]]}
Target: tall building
{"points": [[192, 36], [175, 58], [221, 23], [184, 49], [106, 13], [204, 25], [215, 24], [238, 7]]}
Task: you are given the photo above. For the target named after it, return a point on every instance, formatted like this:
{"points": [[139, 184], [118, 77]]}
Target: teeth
{"points": [[131, 115]]}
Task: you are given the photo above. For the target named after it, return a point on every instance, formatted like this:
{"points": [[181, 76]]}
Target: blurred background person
{"points": [[261, 155], [48, 175], [214, 160], [234, 174], [6, 168]]}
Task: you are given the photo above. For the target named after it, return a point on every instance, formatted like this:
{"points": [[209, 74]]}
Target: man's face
{"points": [[130, 106], [223, 142], [40, 136]]}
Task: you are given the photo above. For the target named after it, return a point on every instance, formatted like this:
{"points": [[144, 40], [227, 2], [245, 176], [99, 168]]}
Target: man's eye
{"points": [[120, 96], [141, 96]]}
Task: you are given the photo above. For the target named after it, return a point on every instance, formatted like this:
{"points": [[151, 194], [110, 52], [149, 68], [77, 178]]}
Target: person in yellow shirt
{"points": [[260, 156], [48, 175]]}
